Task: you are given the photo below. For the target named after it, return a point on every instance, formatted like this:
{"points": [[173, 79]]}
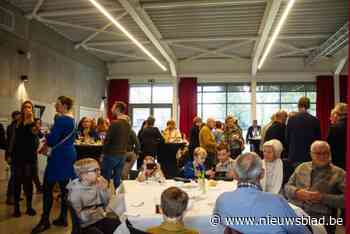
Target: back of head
{"points": [[66, 101], [150, 121], [304, 102], [248, 167], [121, 106], [341, 109], [174, 202]]}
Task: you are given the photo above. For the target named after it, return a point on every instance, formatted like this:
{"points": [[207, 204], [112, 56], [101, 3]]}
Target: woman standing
{"points": [[233, 137], [24, 157], [194, 135], [60, 163]]}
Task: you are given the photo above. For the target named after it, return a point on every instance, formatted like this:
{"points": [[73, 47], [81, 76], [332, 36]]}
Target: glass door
{"points": [[138, 115], [162, 115]]}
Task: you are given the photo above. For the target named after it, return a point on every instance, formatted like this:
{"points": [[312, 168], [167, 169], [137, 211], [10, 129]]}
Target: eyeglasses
{"points": [[96, 170]]}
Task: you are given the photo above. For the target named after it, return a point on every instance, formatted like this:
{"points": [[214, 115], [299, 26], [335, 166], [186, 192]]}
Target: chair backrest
{"points": [[231, 231], [76, 229]]}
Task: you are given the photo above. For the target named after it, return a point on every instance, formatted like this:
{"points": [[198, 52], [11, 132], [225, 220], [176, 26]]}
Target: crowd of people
{"points": [[288, 160]]}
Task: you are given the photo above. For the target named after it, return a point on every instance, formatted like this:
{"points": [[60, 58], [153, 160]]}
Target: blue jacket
{"points": [[189, 172], [60, 163]]}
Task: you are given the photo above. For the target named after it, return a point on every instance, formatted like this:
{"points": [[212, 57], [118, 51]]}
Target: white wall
{"points": [[224, 70]]}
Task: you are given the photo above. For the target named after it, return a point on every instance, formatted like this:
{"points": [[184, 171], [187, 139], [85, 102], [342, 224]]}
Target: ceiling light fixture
{"points": [[131, 37], [276, 32]]}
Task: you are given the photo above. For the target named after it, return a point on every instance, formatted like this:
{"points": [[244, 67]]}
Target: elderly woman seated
{"points": [[274, 168], [318, 186], [89, 196], [150, 171]]}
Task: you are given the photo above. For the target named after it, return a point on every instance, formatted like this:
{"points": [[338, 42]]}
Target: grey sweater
{"points": [[88, 201]]}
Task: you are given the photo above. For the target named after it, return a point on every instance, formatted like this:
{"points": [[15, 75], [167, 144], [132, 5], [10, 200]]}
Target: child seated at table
{"points": [[150, 171], [224, 168], [173, 205], [89, 196], [196, 169]]}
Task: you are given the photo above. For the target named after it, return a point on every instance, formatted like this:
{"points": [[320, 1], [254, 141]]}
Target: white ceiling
{"points": [[186, 29]]}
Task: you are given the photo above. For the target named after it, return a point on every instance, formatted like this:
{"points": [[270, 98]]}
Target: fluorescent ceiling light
{"points": [[131, 37], [276, 32]]}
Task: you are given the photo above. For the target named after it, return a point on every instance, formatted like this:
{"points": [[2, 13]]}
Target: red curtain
{"points": [[343, 86], [347, 197], [118, 90], [324, 102], [188, 103]]}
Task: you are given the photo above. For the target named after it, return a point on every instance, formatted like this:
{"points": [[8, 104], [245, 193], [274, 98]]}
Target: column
{"points": [[336, 88], [253, 97], [175, 100]]}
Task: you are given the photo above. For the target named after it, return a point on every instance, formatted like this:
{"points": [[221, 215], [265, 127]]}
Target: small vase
{"points": [[202, 185]]}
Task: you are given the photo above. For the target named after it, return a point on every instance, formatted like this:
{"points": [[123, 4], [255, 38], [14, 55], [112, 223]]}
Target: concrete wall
{"points": [[54, 68]]}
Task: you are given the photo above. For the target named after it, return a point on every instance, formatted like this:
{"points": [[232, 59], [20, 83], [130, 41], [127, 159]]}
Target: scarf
{"points": [[273, 175]]}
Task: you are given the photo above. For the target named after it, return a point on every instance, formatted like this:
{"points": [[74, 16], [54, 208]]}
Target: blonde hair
{"points": [[341, 108], [85, 165], [199, 151], [276, 145]]}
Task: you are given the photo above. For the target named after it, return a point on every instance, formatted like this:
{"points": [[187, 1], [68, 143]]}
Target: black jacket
{"points": [[337, 141], [302, 130], [150, 138], [194, 137], [276, 131], [26, 143]]}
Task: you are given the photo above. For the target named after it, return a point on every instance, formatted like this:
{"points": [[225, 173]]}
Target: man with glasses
{"points": [[318, 186]]}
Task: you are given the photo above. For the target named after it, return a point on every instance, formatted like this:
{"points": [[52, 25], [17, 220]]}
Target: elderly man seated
{"points": [[249, 201], [318, 186]]}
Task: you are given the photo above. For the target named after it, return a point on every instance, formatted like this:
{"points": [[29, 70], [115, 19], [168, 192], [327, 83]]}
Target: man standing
{"points": [[115, 144], [207, 141], [337, 135], [302, 130], [253, 133], [278, 128]]}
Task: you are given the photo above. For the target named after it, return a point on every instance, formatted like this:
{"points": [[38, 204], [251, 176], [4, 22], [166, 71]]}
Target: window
{"points": [[150, 100], [271, 97], [221, 100]]}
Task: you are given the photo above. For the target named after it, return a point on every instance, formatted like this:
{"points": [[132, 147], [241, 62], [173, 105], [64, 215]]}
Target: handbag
{"points": [[46, 150]]}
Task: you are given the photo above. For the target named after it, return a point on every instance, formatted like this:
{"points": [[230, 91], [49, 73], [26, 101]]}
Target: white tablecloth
{"points": [[141, 200]]}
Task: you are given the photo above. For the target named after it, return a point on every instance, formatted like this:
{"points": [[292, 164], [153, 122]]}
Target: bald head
{"points": [[211, 123], [248, 167]]}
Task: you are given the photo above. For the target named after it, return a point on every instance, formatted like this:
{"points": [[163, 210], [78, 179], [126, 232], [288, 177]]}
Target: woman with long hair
{"points": [[24, 157], [59, 167]]}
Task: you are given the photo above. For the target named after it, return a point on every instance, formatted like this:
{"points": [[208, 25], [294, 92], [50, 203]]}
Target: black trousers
{"points": [[11, 183], [210, 161], [23, 176], [48, 198], [104, 226]]}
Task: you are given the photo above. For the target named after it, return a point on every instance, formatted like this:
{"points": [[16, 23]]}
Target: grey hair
{"points": [[248, 167]]}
